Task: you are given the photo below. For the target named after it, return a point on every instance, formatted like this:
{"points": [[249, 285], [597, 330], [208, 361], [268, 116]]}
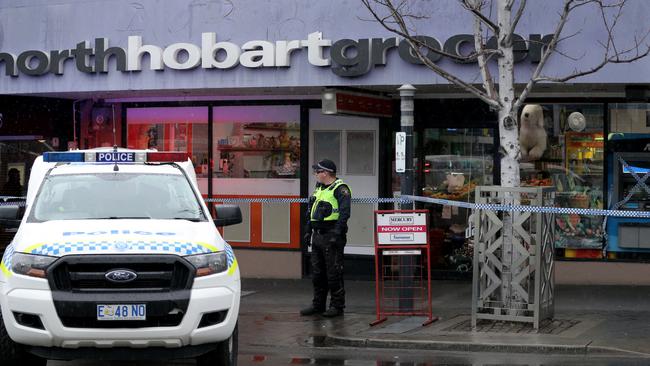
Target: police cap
{"points": [[326, 165]]}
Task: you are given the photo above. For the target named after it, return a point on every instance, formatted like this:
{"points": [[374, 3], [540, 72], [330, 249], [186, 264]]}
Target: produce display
{"points": [[456, 194]]}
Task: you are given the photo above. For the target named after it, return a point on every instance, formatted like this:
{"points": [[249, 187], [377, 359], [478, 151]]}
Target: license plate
{"points": [[122, 312]]}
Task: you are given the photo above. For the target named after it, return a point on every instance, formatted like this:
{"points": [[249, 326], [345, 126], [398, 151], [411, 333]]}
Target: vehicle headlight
{"points": [[207, 264], [31, 264]]}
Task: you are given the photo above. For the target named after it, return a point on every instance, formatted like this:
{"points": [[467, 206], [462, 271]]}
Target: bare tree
{"points": [[397, 16]]}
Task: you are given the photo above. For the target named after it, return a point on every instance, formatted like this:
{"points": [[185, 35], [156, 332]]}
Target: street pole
{"points": [[407, 108]]}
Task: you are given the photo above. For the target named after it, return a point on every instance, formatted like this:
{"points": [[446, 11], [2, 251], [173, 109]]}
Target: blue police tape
{"points": [[12, 201], [468, 205], [20, 201], [304, 200], [408, 199], [541, 209]]}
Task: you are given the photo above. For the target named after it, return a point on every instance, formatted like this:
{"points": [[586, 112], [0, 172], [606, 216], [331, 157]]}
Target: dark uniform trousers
{"points": [[327, 269]]}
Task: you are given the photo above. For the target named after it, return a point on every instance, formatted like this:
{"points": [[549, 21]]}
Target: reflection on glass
{"points": [[628, 144], [127, 196], [171, 129], [327, 145], [630, 118], [361, 152], [456, 160], [573, 163], [257, 142]]}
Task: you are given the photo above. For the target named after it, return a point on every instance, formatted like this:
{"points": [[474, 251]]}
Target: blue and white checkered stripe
{"points": [[555, 210], [305, 200], [262, 200], [468, 205], [5, 264], [12, 201], [257, 200], [230, 255], [172, 247]]}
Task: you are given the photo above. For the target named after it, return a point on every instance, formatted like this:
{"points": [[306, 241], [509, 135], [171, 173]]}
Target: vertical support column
{"points": [[538, 262], [407, 108]]}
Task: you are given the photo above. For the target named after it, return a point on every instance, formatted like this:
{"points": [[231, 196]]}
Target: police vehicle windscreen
{"points": [[116, 196]]}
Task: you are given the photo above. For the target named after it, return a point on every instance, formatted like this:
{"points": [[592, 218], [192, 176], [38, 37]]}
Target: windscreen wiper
{"points": [[123, 218], [193, 219]]}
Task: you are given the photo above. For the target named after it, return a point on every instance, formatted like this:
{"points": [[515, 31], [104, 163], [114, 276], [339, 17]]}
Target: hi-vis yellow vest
{"points": [[327, 195]]}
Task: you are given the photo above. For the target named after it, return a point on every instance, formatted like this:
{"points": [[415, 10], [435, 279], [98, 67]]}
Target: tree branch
{"points": [[639, 49], [572, 58], [404, 32], [545, 55], [474, 6], [515, 21], [616, 59], [417, 49], [488, 83]]}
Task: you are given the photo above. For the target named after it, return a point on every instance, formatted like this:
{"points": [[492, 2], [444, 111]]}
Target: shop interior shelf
{"points": [[274, 128], [468, 139], [255, 149]]}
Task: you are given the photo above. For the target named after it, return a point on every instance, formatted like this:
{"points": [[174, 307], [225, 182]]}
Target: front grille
{"points": [[79, 284], [87, 273]]}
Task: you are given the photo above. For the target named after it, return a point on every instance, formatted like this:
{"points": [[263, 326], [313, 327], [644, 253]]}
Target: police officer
{"points": [[328, 213]]}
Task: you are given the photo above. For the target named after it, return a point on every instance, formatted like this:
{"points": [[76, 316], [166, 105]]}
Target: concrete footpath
{"points": [[602, 320]]}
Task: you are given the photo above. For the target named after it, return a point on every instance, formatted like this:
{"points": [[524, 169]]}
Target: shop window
{"points": [[628, 154], [361, 153], [241, 232], [572, 160], [456, 160], [257, 142], [629, 118], [172, 129], [98, 130], [327, 145]]}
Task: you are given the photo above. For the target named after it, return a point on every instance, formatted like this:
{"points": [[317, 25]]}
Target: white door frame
{"points": [[361, 185]]}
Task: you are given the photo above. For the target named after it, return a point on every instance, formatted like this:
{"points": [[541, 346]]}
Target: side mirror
{"points": [[227, 215], [11, 213]]}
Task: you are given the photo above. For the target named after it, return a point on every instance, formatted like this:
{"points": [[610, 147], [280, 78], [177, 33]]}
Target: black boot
{"points": [[333, 312], [311, 311]]}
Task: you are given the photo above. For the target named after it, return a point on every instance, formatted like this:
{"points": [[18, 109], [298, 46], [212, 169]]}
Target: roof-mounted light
{"points": [[167, 157], [114, 157], [70, 157]]}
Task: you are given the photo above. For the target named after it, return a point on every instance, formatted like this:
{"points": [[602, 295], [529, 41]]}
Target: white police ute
{"points": [[116, 257]]}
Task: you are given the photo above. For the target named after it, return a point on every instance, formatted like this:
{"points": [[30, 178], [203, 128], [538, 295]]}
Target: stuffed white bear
{"points": [[532, 135]]}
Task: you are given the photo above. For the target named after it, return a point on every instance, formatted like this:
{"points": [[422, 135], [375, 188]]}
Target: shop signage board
{"points": [[400, 228], [402, 257], [400, 152], [354, 103], [92, 58]]}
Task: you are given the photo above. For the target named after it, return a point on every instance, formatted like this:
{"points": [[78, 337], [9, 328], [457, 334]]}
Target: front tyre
{"points": [[14, 354], [224, 354]]}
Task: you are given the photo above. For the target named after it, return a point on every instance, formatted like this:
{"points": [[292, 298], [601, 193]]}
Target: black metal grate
{"points": [[87, 273]]}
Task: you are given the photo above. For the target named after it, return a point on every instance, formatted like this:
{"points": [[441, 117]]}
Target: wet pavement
{"points": [[594, 325], [598, 320]]}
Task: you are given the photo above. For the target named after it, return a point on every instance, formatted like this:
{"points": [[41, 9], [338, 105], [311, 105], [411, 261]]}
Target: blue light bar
{"points": [[114, 157], [63, 157]]}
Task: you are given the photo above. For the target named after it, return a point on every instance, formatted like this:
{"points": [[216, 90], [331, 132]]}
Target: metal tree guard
{"points": [[513, 278]]}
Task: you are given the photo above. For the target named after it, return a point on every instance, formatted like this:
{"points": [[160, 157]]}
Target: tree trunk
{"points": [[509, 136]]}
